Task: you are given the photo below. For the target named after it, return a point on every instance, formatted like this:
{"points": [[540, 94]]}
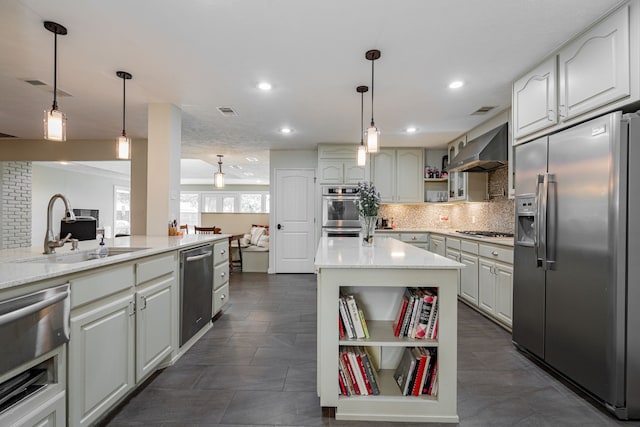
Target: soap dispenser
{"points": [[102, 251]]}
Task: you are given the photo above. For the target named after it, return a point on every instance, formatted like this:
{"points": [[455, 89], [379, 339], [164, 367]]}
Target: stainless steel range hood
{"points": [[484, 153]]}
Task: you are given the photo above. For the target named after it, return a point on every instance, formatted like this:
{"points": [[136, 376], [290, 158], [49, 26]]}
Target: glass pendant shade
{"points": [[372, 139], [362, 155], [218, 178], [55, 125], [124, 147]]}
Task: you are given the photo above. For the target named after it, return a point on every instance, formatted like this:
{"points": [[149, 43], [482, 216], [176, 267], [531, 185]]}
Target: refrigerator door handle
{"points": [[548, 234], [536, 222], [542, 220]]}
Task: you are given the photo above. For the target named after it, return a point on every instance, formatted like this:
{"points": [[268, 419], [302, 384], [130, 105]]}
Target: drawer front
{"points": [[221, 252], [101, 284], [469, 247], [220, 298], [414, 237], [155, 267], [453, 243], [220, 275], [496, 253]]}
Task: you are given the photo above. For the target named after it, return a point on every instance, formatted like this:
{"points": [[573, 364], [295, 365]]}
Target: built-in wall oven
{"points": [[339, 211]]}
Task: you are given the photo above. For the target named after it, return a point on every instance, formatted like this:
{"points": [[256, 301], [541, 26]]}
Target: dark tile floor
{"points": [[257, 367]]}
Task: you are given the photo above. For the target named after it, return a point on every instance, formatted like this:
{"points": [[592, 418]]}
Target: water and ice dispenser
{"points": [[525, 220]]}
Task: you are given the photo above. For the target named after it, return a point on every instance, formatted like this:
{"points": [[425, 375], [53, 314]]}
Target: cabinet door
{"points": [[101, 359], [409, 170], [594, 68], [330, 172], [436, 245], [486, 286], [154, 324], [353, 173], [535, 98], [469, 278], [383, 173], [504, 292]]}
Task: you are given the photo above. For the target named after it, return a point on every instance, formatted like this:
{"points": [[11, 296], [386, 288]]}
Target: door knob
{"points": [[280, 227]]}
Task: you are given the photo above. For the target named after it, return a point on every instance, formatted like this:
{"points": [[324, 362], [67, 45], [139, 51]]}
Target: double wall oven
{"points": [[340, 212]]}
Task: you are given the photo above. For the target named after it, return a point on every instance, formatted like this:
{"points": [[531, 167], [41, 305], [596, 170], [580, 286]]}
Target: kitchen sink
{"points": [[78, 256]]}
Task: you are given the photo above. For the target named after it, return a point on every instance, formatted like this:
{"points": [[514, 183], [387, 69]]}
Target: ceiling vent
{"points": [[45, 87], [6, 135], [483, 110], [227, 111]]}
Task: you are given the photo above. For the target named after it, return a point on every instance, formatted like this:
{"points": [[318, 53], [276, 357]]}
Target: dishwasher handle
{"points": [[198, 257], [32, 308]]}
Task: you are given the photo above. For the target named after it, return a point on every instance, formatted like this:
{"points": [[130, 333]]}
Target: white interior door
{"points": [[294, 215]]}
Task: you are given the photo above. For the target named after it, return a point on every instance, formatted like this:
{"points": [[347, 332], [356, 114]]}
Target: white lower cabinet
{"points": [[52, 414], [469, 278], [220, 276], [153, 325], [124, 322], [101, 358], [436, 245], [495, 286]]}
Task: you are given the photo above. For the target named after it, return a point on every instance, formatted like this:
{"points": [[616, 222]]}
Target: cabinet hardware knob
{"points": [[223, 296], [494, 253], [222, 252], [414, 238], [550, 114], [222, 274]]}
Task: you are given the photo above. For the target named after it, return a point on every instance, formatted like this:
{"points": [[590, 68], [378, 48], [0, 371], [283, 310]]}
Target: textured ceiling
{"points": [[203, 54]]}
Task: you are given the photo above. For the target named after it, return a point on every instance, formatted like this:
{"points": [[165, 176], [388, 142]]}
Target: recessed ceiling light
{"points": [[412, 130], [456, 84], [286, 130], [64, 163], [264, 86], [247, 173], [252, 159]]}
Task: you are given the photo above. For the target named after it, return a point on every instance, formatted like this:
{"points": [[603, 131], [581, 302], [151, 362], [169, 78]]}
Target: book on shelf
{"points": [[428, 302], [364, 324], [349, 370], [357, 372], [416, 372], [346, 318], [355, 316], [421, 358], [340, 326], [403, 371], [416, 315]]}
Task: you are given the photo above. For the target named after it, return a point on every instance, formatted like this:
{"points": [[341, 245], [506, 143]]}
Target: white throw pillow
{"points": [[256, 232], [263, 241]]}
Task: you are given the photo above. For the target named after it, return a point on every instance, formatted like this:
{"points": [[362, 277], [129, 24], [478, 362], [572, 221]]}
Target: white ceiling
{"points": [[203, 54]]}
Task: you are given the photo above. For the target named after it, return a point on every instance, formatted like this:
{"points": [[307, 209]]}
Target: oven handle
{"points": [[33, 308]]}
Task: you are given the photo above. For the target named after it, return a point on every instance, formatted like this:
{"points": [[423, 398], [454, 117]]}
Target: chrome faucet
{"points": [[50, 243]]}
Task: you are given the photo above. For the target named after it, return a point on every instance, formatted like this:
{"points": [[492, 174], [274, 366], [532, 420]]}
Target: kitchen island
{"points": [[377, 277]]}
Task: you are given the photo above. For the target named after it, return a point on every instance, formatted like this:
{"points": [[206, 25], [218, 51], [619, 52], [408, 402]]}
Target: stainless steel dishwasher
{"points": [[196, 290]]}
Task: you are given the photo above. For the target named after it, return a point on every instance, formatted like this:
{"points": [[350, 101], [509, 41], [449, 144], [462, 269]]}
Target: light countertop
{"points": [[505, 241], [348, 252], [22, 266]]}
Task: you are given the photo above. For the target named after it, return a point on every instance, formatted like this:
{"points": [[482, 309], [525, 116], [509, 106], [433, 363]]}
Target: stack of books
{"points": [[417, 372], [418, 314], [356, 373], [351, 321]]}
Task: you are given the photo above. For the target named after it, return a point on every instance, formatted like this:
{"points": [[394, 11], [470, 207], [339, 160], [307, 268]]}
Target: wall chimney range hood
{"points": [[484, 153]]}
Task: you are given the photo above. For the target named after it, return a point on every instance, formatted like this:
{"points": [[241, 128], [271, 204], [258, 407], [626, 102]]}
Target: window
{"points": [[193, 203], [122, 210]]}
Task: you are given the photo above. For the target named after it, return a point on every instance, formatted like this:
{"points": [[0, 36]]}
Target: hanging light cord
{"points": [[55, 69], [124, 105], [362, 118], [372, 123]]}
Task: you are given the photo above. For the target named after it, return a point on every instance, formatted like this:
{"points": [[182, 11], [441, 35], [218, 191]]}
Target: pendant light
{"points": [[55, 121], [124, 143], [362, 149], [372, 132], [218, 177]]}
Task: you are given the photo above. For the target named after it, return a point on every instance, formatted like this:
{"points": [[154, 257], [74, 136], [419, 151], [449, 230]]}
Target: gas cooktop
{"points": [[486, 233]]}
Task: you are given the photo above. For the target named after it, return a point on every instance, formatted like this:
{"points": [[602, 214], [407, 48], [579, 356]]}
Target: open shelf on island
{"points": [[381, 334]]}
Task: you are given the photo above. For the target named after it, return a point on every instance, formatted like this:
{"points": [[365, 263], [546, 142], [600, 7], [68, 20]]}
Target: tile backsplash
{"points": [[496, 214]]}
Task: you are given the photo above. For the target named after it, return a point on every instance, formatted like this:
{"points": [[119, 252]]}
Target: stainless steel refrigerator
{"points": [[576, 296]]}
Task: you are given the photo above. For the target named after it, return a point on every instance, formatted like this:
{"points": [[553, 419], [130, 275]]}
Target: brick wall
{"points": [[15, 205]]}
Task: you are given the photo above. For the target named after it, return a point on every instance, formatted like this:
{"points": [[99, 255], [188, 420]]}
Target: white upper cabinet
{"points": [[397, 175], [593, 74], [594, 68], [535, 99], [337, 164]]}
